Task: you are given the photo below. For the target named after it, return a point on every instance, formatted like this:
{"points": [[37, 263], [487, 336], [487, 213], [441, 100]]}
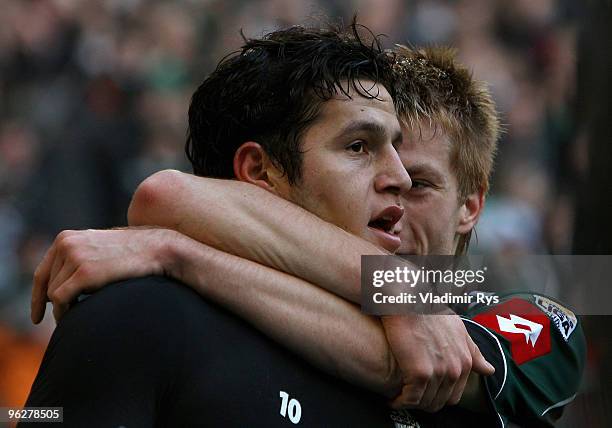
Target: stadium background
{"points": [[93, 98]]}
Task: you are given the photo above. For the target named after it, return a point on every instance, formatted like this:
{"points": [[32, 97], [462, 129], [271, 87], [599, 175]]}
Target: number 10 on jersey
{"points": [[290, 407]]}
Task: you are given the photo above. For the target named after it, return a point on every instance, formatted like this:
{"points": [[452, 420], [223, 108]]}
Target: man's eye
{"points": [[418, 184], [357, 147]]}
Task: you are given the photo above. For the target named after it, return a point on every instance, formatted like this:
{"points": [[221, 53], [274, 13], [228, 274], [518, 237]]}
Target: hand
{"points": [[435, 355], [86, 260]]}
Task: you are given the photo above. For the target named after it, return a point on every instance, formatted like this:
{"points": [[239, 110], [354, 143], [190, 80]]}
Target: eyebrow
{"points": [[425, 168], [373, 128]]}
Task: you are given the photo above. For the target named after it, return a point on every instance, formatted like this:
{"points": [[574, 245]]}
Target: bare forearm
{"points": [[314, 323], [326, 330], [247, 221], [321, 327]]}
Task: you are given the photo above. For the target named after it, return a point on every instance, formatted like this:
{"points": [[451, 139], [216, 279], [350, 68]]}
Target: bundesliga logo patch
{"points": [[563, 318], [523, 325]]}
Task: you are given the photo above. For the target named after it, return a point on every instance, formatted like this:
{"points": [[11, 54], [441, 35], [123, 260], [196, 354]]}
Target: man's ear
{"points": [[470, 211], [252, 165]]}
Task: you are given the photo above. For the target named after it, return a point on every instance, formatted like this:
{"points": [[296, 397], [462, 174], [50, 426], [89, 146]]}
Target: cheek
{"points": [[429, 219], [347, 203], [337, 190], [417, 212], [335, 199]]}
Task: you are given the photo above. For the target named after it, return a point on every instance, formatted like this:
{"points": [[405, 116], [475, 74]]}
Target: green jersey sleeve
{"points": [[540, 356]]}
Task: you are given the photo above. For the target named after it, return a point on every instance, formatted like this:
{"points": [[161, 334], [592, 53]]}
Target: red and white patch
{"points": [[525, 326]]}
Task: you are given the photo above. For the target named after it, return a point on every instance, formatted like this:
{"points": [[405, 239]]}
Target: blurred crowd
{"points": [[94, 96]]}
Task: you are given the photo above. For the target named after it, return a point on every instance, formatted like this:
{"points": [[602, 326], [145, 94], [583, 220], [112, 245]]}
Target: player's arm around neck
{"points": [[247, 221], [323, 328]]}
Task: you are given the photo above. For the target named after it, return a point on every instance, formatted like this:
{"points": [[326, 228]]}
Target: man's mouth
{"points": [[385, 225], [387, 219]]}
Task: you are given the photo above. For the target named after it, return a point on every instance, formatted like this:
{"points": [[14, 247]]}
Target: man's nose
{"points": [[392, 176]]}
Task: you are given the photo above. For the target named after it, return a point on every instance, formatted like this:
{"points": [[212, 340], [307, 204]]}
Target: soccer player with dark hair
{"points": [[148, 353], [449, 169]]}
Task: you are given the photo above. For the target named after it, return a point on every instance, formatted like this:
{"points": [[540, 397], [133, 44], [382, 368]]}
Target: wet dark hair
{"points": [[272, 90]]}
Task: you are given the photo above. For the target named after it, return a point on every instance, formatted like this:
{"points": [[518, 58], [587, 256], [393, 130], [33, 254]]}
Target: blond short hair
{"points": [[431, 85]]}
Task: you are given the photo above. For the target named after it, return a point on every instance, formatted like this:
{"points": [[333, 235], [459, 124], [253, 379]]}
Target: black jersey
{"points": [[150, 352]]}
